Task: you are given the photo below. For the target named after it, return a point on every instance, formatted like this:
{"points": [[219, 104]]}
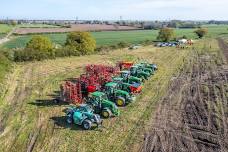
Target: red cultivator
{"points": [[94, 79], [71, 92]]}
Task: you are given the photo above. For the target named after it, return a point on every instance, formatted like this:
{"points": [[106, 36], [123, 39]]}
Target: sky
{"points": [[113, 9]]}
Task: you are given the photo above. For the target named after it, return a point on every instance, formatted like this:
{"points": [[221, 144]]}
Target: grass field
{"points": [[114, 37], [103, 38], [4, 28], [29, 120]]}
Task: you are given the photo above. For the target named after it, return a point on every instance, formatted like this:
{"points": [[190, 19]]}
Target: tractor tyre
{"points": [[120, 101], [69, 120], [106, 113], [87, 124], [56, 101]]}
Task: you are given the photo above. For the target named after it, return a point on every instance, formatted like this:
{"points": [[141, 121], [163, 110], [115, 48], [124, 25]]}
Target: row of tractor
{"points": [[102, 89]]}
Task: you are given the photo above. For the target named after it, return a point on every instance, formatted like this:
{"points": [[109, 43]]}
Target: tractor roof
{"points": [[111, 84], [117, 79], [97, 94], [124, 71]]}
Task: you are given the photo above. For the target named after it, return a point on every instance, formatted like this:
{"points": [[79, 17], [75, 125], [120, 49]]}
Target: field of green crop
{"points": [[4, 28], [103, 38]]}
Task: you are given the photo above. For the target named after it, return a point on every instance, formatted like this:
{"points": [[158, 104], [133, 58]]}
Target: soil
{"points": [[194, 114], [75, 27]]}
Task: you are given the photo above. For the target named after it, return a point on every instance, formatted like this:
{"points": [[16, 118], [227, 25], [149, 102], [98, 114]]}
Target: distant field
{"points": [[36, 26], [74, 27], [103, 38], [4, 28], [2, 35], [114, 37]]}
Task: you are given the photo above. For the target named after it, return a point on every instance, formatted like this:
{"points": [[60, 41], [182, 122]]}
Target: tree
{"points": [[81, 41], [165, 34], [201, 32], [39, 47]]}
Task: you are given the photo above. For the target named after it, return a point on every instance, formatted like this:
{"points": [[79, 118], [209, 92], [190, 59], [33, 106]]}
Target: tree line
{"points": [[77, 44]]}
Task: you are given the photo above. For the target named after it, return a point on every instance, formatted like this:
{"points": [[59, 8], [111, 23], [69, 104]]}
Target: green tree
{"points": [[201, 32], [165, 34], [81, 41], [39, 47]]}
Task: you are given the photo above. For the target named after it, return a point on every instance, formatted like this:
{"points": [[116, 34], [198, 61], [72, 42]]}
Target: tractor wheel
{"points": [[87, 124], [120, 101], [56, 101], [106, 113], [69, 120]]}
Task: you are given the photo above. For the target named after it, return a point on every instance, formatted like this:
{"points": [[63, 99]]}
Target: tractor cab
{"points": [[98, 96], [101, 105], [150, 66], [143, 68], [115, 94], [133, 85], [83, 115], [138, 71]]}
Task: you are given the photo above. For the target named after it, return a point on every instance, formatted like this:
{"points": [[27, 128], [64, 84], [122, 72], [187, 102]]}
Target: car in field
{"points": [[134, 47], [165, 44]]}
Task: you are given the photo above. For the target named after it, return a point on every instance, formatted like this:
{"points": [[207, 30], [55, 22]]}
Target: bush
{"points": [[201, 32], [165, 34], [66, 51], [81, 41], [122, 45], [38, 48]]}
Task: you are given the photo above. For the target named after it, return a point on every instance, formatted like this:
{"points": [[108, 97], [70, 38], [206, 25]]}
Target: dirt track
{"points": [[194, 114], [224, 46]]}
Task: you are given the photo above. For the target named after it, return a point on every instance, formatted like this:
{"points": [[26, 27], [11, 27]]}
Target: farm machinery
{"points": [[83, 116], [101, 105], [116, 95], [103, 88]]}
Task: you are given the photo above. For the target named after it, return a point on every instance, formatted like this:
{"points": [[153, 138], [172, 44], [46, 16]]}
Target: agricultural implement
{"points": [[83, 116], [70, 92], [123, 65], [101, 105]]}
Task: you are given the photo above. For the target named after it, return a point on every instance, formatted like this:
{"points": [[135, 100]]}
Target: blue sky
{"points": [[113, 9]]}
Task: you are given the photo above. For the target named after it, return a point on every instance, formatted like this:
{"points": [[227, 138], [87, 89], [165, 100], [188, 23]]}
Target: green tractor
{"points": [[153, 67], [138, 71], [145, 69], [83, 116], [127, 78], [131, 88], [101, 105], [120, 97]]}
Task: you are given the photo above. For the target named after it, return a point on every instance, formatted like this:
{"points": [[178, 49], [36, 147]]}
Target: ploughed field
{"points": [[74, 27], [193, 116]]}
